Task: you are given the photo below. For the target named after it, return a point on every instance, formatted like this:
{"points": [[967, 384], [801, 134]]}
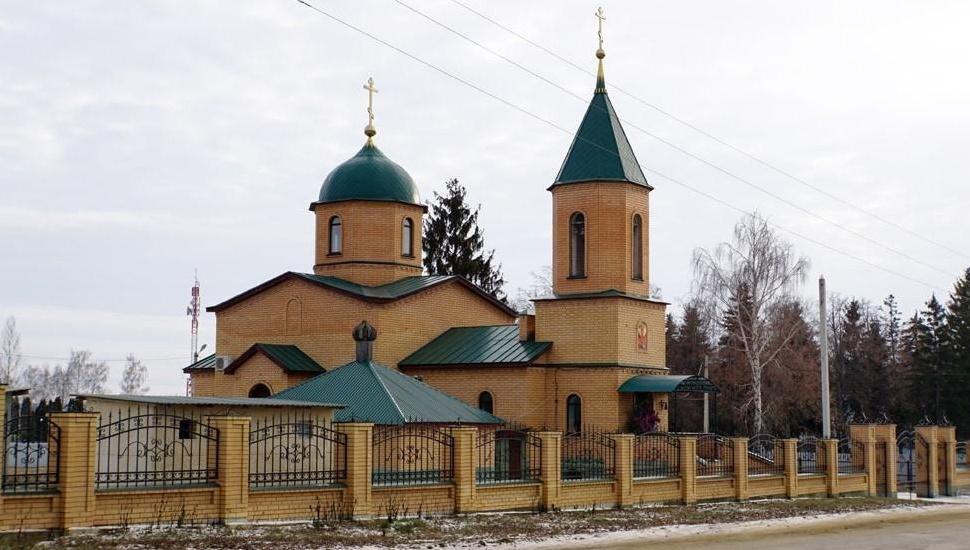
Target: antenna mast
{"points": [[193, 311]]}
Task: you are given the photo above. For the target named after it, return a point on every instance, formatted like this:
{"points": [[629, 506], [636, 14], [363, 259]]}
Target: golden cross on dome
{"points": [[370, 131], [601, 17]]}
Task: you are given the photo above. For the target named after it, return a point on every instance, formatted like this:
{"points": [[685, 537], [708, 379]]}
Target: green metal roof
{"points": [[374, 393], [610, 293], [206, 363], [208, 401], [290, 358], [383, 293], [600, 151], [477, 345], [651, 383], [370, 176]]}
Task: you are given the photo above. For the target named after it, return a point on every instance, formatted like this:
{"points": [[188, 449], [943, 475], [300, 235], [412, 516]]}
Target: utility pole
{"points": [[823, 337]]}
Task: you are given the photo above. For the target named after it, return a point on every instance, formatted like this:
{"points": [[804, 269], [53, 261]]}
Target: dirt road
{"points": [[945, 531]]}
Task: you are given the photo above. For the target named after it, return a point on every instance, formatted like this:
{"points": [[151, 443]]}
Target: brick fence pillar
{"points": [[464, 459], [551, 466], [830, 450], [624, 469], [931, 459], [232, 463], [790, 452], [886, 442], [948, 436], [740, 447], [77, 459], [360, 464], [688, 469], [865, 434]]}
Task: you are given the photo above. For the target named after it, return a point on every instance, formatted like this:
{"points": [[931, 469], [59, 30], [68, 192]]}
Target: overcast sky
{"points": [[142, 140]]}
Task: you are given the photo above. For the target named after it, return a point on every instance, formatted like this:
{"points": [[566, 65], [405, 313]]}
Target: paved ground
{"points": [[945, 531]]}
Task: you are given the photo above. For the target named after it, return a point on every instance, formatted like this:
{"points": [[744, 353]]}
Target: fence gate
{"points": [[912, 466]]}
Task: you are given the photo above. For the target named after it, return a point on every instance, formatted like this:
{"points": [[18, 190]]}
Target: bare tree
{"points": [[134, 376], [748, 282], [541, 287], [81, 375], [10, 356]]}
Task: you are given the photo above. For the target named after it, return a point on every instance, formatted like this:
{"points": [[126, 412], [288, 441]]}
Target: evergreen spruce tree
{"points": [[958, 325], [454, 244]]}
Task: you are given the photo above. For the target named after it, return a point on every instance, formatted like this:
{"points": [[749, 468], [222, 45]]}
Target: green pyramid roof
{"points": [[600, 150], [374, 393]]}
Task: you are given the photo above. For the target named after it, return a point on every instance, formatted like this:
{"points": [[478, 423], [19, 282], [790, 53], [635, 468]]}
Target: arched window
{"points": [[336, 235], [485, 402], [260, 390], [637, 247], [574, 414], [577, 245], [294, 317], [407, 238]]}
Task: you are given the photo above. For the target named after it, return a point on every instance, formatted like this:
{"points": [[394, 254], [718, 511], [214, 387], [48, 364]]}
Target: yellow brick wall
{"points": [[609, 210], [296, 504], [29, 512], [165, 507], [372, 233], [258, 369], [327, 318], [602, 330]]}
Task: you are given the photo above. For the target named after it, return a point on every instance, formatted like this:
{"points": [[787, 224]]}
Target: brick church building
{"points": [[592, 354]]}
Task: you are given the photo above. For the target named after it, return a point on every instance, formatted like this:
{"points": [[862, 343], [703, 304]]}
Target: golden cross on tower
{"points": [[600, 53], [370, 131]]}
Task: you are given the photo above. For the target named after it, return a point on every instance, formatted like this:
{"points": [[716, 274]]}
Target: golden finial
{"points": [[370, 131], [600, 53]]}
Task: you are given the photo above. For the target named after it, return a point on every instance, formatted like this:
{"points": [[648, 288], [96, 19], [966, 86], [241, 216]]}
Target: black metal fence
{"points": [[412, 455], [811, 456], [31, 447], [962, 463], [588, 455], [507, 456], [154, 446], [295, 450], [656, 455], [715, 456], [912, 471], [852, 456], [766, 456]]}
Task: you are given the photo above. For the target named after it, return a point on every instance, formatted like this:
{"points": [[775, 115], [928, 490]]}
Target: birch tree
{"points": [[134, 376], [10, 356], [748, 282]]}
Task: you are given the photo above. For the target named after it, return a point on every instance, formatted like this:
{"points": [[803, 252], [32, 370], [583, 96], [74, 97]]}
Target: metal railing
{"points": [[412, 455], [810, 455], [151, 447], [507, 456], [656, 455], [765, 456], [962, 458], [296, 450], [715, 456], [31, 449], [852, 456], [588, 456]]}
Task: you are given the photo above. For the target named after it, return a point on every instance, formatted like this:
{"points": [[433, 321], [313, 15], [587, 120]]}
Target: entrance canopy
{"points": [[648, 383]]}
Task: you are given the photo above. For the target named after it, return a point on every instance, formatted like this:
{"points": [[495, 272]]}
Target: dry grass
{"points": [[475, 530]]}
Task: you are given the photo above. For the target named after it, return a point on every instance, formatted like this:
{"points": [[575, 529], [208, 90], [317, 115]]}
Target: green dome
{"points": [[369, 176]]}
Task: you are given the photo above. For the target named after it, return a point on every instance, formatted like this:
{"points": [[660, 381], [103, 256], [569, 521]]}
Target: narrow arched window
{"points": [[577, 245], [336, 235], [637, 247], [485, 402], [574, 414], [407, 238]]}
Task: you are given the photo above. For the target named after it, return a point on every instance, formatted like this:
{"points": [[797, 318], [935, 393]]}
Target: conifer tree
{"points": [[454, 244], [958, 325]]}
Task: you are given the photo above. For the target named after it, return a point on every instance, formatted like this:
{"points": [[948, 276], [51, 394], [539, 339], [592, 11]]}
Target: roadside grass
{"points": [[471, 530]]}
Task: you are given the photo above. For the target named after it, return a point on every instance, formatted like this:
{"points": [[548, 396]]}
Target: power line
{"points": [[679, 148], [46, 358], [961, 254], [568, 132]]}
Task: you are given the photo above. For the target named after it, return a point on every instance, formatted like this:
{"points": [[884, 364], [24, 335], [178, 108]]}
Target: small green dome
{"points": [[369, 176]]}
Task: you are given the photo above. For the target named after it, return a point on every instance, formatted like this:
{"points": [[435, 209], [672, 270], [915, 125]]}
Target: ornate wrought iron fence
{"points": [[765, 456], [295, 450], [507, 455], [656, 455], [912, 470], [31, 448], [715, 456], [148, 447], [852, 456], [962, 459], [588, 456], [412, 455], [811, 459]]}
